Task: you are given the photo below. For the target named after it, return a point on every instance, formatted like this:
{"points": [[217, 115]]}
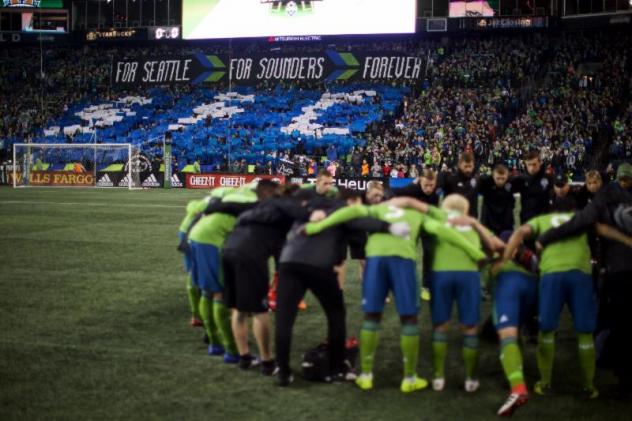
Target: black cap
{"points": [[560, 180]]}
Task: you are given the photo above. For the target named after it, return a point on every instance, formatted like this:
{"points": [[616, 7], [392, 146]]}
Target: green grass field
{"points": [[94, 325]]}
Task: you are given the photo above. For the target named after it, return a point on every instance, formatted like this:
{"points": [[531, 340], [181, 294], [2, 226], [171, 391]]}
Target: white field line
{"points": [[102, 204]]}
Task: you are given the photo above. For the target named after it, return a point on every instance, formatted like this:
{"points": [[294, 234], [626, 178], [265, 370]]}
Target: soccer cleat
{"points": [[195, 322], [345, 375], [438, 384], [269, 368], [513, 402], [471, 385], [215, 350], [248, 361], [425, 294], [284, 379], [302, 305], [411, 384], [365, 381], [588, 394], [205, 339], [543, 389], [231, 358]]}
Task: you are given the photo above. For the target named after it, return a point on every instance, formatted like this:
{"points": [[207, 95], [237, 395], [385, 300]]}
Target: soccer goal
{"points": [[75, 165]]}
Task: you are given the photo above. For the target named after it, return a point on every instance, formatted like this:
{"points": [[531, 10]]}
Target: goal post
{"points": [[75, 165]]}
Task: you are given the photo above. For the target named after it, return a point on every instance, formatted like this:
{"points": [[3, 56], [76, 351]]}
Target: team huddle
{"points": [[229, 237]]}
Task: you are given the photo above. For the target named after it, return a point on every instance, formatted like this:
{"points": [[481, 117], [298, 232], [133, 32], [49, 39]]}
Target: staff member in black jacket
{"points": [[424, 188], [612, 206], [535, 188], [307, 262], [586, 194], [498, 200], [464, 182]]}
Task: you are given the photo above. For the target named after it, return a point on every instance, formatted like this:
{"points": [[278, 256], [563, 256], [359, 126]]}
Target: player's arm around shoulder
{"points": [[405, 202], [525, 231], [338, 217]]}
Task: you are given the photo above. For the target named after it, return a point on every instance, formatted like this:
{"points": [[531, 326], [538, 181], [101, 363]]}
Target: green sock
{"points": [[194, 298], [545, 356], [409, 342], [206, 313], [221, 314], [587, 359], [439, 352], [470, 355], [368, 345], [511, 359]]}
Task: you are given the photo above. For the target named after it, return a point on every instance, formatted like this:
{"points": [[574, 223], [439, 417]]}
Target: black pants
{"points": [[619, 290], [294, 280]]}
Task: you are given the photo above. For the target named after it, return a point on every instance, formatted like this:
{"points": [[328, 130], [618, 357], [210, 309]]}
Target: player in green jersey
{"points": [[565, 271], [206, 240], [194, 208], [454, 277], [391, 265], [565, 278]]}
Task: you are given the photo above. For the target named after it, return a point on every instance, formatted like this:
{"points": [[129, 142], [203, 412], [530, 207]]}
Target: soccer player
{"points": [[515, 302], [424, 189], [535, 188], [206, 240], [464, 182], [565, 278], [455, 277], [610, 206], [391, 265], [498, 200], [194, 211], [194, 208]]}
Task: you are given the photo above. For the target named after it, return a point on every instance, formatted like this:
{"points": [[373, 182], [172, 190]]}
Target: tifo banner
{"points": [[251, 69], [211, 181], [353, 183], [60, 178]]}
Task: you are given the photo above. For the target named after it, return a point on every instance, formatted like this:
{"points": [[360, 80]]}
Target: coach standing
{"points": [[611, 206]]}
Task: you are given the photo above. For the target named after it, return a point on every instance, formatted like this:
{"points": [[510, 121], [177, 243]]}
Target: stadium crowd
{"points": [[497, 97]]}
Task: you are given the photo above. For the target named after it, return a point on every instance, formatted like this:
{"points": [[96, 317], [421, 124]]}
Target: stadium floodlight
{"points": [[76, 165]]}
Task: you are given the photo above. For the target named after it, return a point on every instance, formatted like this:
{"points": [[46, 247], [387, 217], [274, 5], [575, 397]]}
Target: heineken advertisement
{"points": [[251, 69]]}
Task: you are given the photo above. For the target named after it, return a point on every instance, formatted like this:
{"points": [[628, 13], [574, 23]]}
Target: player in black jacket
{"points": [[424, 188], [463, 182], [498, 200], [535, 188]]}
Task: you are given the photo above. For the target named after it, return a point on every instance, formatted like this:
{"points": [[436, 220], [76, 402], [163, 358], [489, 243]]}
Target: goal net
{"points": [[76, 165]]}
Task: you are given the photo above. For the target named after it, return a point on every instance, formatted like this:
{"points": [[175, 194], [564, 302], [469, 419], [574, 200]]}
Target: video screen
{"points": [[41, 4], [44, 22], [204, 19], [478, 8]]}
